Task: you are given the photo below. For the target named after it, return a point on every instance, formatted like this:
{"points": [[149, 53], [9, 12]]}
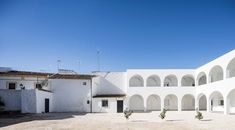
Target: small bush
{"points": [[127, 113], [198, 115], [163, 114]]}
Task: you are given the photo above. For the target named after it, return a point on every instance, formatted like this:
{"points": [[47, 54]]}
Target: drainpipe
{"points": [[91, 98]]}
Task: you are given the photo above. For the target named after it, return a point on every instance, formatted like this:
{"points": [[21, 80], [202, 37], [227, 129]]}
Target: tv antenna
{"points": [[98, 60], [58, 64]]}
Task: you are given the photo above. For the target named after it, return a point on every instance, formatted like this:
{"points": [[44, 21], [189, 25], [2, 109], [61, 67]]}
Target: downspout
{"points": [[91, 98]]}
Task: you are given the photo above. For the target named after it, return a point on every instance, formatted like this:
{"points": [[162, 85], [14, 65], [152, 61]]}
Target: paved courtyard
{"points": [[103, 121]]}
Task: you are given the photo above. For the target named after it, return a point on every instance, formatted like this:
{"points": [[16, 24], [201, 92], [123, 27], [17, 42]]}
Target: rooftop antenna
{"points": [[79, 66], [58, 64], [98, 60]]}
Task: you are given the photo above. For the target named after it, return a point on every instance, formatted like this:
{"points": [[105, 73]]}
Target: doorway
{"points": [[46, 105], [119, 106]]}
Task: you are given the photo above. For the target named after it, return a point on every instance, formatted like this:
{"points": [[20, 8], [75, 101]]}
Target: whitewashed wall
{"points": [[12, 99], [109, 83], [28, 82], [97, 105], [28, 101], [40, 99], [71, 95]]}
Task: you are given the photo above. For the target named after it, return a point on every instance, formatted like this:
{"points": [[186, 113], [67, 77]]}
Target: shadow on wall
{"points": [[106, 87], [8, 119]]}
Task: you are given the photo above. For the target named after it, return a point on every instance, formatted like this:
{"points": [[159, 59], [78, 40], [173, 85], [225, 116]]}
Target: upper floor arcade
{"points": [[219, 69]]}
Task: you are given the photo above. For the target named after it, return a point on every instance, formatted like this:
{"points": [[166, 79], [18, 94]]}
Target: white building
{"points": [[209, 87]]}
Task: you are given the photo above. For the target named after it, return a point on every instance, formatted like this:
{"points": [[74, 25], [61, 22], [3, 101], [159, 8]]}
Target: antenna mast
{"points": [[58, 64], [98, 60]]}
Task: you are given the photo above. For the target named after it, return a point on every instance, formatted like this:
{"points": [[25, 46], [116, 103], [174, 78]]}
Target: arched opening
{"points": [[136, 81], [153, 103], [216, 102], [202, 102], [216, 74], [170, 80], [201, 78], [171, 102], [188, 103], [187, 80], [153, 81], [136, 103], [230, 70], [231, 101]]}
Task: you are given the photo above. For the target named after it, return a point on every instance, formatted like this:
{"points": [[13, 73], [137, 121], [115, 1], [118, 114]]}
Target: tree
{"points": [[198, 114], [163, 114], [127, 113]]}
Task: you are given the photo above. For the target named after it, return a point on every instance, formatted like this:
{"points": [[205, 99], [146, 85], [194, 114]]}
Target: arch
{"points": [[188, 80], [153, 103], [216, 102], [170, 80], [230, 70], [201, 78], [231, 101], [171, 102], [153, 81], [202, 102], [136, 103], [136, 81], [188, 102], [216, 74]]}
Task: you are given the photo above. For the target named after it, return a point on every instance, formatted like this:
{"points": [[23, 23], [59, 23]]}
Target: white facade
{"points": [[71, 95], [210, 87], [63, 93]]}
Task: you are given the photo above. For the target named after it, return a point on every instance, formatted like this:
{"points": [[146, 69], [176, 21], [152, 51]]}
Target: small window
{"points": [[38, 86], [83, 83], [11, 85], [104, 103]]}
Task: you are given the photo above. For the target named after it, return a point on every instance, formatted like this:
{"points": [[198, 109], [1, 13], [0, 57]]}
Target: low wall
{"points": [[12, 99]]}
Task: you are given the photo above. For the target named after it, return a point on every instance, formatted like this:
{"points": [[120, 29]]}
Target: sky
{"points": [[129, 34]]}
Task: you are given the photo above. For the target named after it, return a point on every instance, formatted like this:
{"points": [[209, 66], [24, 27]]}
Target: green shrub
{"points": [[163, 114], [198, 115], [127, 113]]}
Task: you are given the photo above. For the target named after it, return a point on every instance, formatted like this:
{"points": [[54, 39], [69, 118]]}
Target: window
{"points": [[104, 103], [11, 85], [38, 86], [83, 83]]}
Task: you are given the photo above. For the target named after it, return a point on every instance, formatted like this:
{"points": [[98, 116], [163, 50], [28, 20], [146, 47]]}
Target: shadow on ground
{"points": [[7, 119]]}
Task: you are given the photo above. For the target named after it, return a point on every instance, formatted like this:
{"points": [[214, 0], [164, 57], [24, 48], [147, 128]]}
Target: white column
{"points": [[226, 73], [196, 103], [179, 81], [208, 108], [179, 104], [162, 103], [145, 104], [226, 106]]}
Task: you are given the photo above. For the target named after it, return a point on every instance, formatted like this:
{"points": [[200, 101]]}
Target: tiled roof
{"points": [[71, 76], [109, 96], [46, 75]]}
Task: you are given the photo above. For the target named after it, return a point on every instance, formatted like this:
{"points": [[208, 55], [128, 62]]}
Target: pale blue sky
{"points": [[129, 33]]}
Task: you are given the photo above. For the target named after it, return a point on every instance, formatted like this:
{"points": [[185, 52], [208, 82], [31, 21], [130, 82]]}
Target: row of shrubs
{"points": [[128, 113]]}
